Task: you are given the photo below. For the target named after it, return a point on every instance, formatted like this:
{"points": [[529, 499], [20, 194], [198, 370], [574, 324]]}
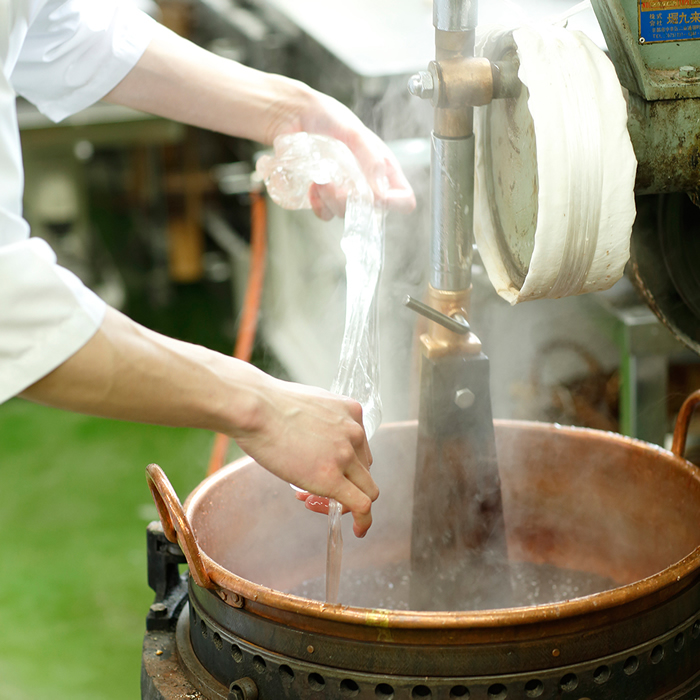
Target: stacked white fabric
{"points": [[555, 171]]}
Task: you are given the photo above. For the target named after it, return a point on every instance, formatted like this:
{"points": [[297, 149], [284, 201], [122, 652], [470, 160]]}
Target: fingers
{"points": [[356, 492], [360, 477], [327, 201], [391, 186], [360, 506], [317, 504], [362, 517], [388, 183], [382, 169]]}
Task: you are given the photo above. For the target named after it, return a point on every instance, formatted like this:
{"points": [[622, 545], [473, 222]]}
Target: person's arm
{"points": [[306, 436], [179, 80]]}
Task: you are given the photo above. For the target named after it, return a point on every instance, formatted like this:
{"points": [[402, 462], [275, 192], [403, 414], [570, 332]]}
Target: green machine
{"points": [[655, 47]]}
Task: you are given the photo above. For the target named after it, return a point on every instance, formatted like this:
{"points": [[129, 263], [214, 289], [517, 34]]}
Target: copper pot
{"points": [[574, 498]]}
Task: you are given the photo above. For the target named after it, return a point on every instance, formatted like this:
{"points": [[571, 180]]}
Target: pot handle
{"points": [[680, 432], [176, 526]]}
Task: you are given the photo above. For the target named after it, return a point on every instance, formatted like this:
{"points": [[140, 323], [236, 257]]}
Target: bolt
{"points": [[243, 689], [421, 85], [464, 398], [688, 71], [159, 609]]}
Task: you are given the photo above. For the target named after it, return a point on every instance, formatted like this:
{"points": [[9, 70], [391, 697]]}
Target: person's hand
{"points": [[321, 114], [179, 80], [314, 440]]}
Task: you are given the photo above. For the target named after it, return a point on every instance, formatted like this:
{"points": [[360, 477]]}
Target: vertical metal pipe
{"points": [[454, 15], [452, 198], [452, 157]]}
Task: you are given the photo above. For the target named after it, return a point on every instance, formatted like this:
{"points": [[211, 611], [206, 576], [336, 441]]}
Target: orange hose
{"points": [[245, 338]]}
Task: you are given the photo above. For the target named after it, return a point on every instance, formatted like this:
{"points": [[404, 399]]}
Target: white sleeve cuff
{"points": [[46, 315], [76, 51]]}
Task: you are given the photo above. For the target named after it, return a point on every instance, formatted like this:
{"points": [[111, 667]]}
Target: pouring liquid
{"points": [[334, 551], [358, 369], [302, 159]]}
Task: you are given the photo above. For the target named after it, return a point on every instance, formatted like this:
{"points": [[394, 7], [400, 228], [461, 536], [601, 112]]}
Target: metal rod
{"points": [[456, 324]]}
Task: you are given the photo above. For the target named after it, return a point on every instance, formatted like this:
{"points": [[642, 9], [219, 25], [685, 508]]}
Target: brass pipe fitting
{"points": [[438, 341], [462, 81]]}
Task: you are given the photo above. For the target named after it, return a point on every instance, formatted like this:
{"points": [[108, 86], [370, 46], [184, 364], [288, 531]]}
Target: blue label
{"points": [[668, 20]]}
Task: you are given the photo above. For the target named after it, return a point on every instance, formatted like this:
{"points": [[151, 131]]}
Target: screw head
{"points": [[688, 71], [464, 398], [159, 610], [421, 85]]}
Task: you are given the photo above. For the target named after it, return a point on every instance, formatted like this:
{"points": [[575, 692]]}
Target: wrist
{"points": [[236, 403]]}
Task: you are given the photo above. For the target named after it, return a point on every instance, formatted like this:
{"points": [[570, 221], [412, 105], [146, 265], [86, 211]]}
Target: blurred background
{"points": [[156, 218]]}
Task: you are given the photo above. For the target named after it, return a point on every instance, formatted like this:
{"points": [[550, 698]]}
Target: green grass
{"points": [[74, 505]]}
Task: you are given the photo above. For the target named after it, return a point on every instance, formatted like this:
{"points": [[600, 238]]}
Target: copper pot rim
{"points": [[665, 582]]}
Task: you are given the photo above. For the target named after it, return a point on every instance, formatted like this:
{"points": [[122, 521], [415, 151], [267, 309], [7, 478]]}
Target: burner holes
{"points": [[601, 675], [348, 688], [498, 692], [236, 653], [657, 654], [217, 641], [534, 688], [631, 665], [384, 691], [203, 627], [259, 663], [459, 691], [421, 691], [569, 682], [695, 632], [286, 674], [679, 642], [316, 682]]}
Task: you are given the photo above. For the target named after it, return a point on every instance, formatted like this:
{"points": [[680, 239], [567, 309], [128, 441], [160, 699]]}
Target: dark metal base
{"points": [[171, 671], [162, 674], [640, 673]]}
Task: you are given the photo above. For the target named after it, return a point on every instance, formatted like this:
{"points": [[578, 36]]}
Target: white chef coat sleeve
{"points": [[46, 314], [76, 51]]}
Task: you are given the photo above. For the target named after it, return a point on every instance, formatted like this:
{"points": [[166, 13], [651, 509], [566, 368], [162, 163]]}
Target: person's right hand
{"points": [[314, 440], [317, 113]]}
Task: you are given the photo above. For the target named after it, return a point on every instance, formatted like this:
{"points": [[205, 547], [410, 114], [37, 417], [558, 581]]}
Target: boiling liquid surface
{"points": [[388, 587]]}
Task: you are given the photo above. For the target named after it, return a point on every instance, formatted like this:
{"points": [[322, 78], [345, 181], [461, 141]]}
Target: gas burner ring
{"points": [[633, 673]]}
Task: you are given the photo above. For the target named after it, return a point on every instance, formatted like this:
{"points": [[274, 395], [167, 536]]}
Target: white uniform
{"points": [[62, 55]]}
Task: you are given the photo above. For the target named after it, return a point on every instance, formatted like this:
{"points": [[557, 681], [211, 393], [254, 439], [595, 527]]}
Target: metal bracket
{"points": [[165, 579]]}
